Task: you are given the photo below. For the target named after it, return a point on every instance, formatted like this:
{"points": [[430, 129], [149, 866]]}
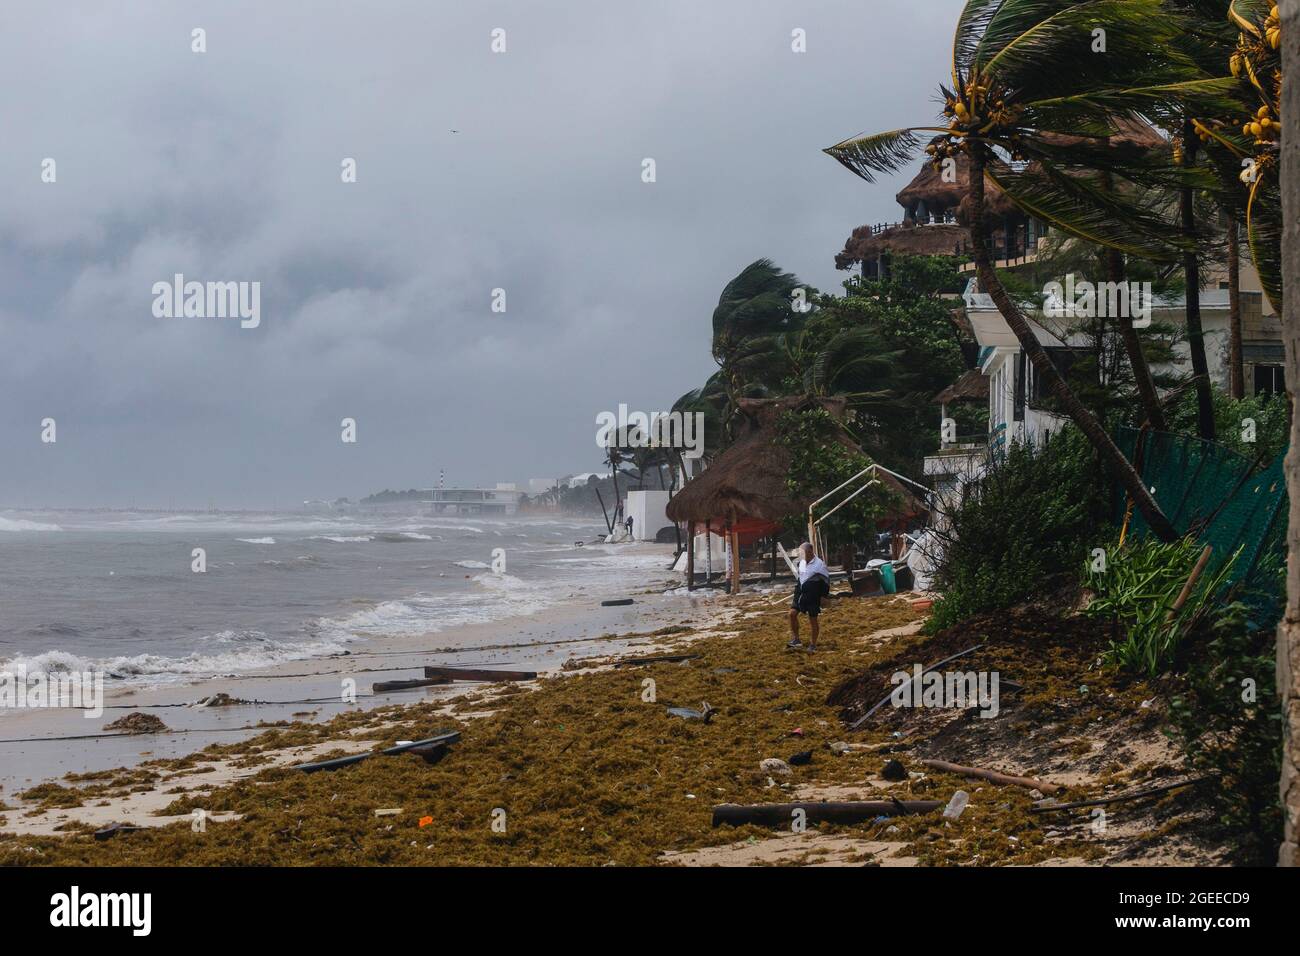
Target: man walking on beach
{"points": [[814, 582]]}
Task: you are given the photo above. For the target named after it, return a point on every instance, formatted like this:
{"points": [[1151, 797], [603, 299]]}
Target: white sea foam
{"points": [[22, 524], [256, 540], [472, 564]]}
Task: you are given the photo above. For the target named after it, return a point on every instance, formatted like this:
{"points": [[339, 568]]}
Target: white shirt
{"points": [[815, 567]]}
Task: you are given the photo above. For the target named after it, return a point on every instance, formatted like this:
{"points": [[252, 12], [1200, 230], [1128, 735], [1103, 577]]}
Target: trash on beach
{"points": [[114, 829], [801, 758], [422, 747], [387, 685], [425, 821], [477, 674], [618, 602], [220, 700], [893, 771], [780, 814], [705, 713], [388, 812], [138, 723], [960, 800], [775, 765]]}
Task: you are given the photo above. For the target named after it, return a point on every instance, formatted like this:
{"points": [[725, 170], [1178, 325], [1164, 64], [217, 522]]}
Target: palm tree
{"points": [[1029, 87]]}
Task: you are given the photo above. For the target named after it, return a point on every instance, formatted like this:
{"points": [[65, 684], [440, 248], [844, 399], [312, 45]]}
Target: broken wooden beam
{"points": [[478, 674], [1029, 783], [1137, 795], [780, 814], [387, 685], [417, 746]]}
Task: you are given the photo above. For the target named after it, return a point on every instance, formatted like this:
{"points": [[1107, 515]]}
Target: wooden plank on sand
{"points": [[478, 673], [387, 685]]}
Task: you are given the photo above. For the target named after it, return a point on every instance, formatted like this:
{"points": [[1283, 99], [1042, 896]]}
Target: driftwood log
{"points": [[478, 674], [1029, 783], [780, 814]]}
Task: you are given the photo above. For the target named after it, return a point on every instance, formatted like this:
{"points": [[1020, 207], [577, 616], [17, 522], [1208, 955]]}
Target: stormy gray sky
{"points": [[376, 295]]}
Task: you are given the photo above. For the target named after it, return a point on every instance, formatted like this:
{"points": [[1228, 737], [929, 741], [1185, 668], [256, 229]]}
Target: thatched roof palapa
{"points": [[747, 482], [972, 386]]}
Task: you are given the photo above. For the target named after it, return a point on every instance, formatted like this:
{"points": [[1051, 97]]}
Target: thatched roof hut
{"points": [[973, 386], [867, 244], [745, 487]]}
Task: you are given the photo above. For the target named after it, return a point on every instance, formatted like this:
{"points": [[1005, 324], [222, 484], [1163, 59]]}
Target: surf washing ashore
{"points": [[290, 608]]}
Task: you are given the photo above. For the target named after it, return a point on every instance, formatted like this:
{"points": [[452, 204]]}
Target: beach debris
{"points": [[775, 765], [388, 812], [780, 814], [724, 670], [388, 685], [993, 776], [113, 829], [801, 758], [797, 732], [705, 713], [220, 700], [663, 659], [960, 800], [425, 821], [893, 771], [1051, 804], [888, 697], [477, 674], [138, 723], [442, 740], [617, 602]]}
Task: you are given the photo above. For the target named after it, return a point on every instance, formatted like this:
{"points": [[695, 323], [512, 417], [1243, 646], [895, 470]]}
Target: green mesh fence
{"points": [[1216, 495]]}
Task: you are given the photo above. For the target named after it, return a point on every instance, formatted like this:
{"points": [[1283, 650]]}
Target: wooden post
{"points": [[735, 562], [773, 543], [708, 551], [690, 555]]}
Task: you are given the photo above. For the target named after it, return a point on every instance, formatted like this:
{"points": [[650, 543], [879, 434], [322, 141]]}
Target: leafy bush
{"points": [[1022, 529], [1270, 413], [1137, 587], [1227, 718], [820, 462]]}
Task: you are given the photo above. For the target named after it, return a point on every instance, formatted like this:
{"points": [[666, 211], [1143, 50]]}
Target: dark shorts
{"points": [[808, 597]]}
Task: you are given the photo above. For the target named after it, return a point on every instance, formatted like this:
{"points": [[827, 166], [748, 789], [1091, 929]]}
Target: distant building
{"points": [[472, 501]]}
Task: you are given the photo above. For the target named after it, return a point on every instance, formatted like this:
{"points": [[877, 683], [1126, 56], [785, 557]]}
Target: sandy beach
{"points": [[588, 765]]}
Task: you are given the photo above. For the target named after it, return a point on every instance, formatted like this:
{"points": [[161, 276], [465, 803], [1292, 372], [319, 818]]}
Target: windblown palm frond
{"points": [[880, 153]]}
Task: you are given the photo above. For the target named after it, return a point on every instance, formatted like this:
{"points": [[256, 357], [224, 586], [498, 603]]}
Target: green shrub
{"points": [[1022, 529], [1137, 587], [1227, 718]]}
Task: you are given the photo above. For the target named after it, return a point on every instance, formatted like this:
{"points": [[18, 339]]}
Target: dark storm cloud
{"points": [[376, 296]]}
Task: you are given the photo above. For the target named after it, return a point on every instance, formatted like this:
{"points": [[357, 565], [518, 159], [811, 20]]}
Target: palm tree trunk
{"points": [[1288, 636], [1236, 371], [1192, 279], [1146, 385], [1110, 455]]}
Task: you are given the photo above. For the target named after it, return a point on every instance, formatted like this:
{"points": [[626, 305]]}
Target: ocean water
{"points": [[116, 590]]}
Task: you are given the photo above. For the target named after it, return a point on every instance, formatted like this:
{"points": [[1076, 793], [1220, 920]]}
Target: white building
{"points": [[1015, 413]]}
